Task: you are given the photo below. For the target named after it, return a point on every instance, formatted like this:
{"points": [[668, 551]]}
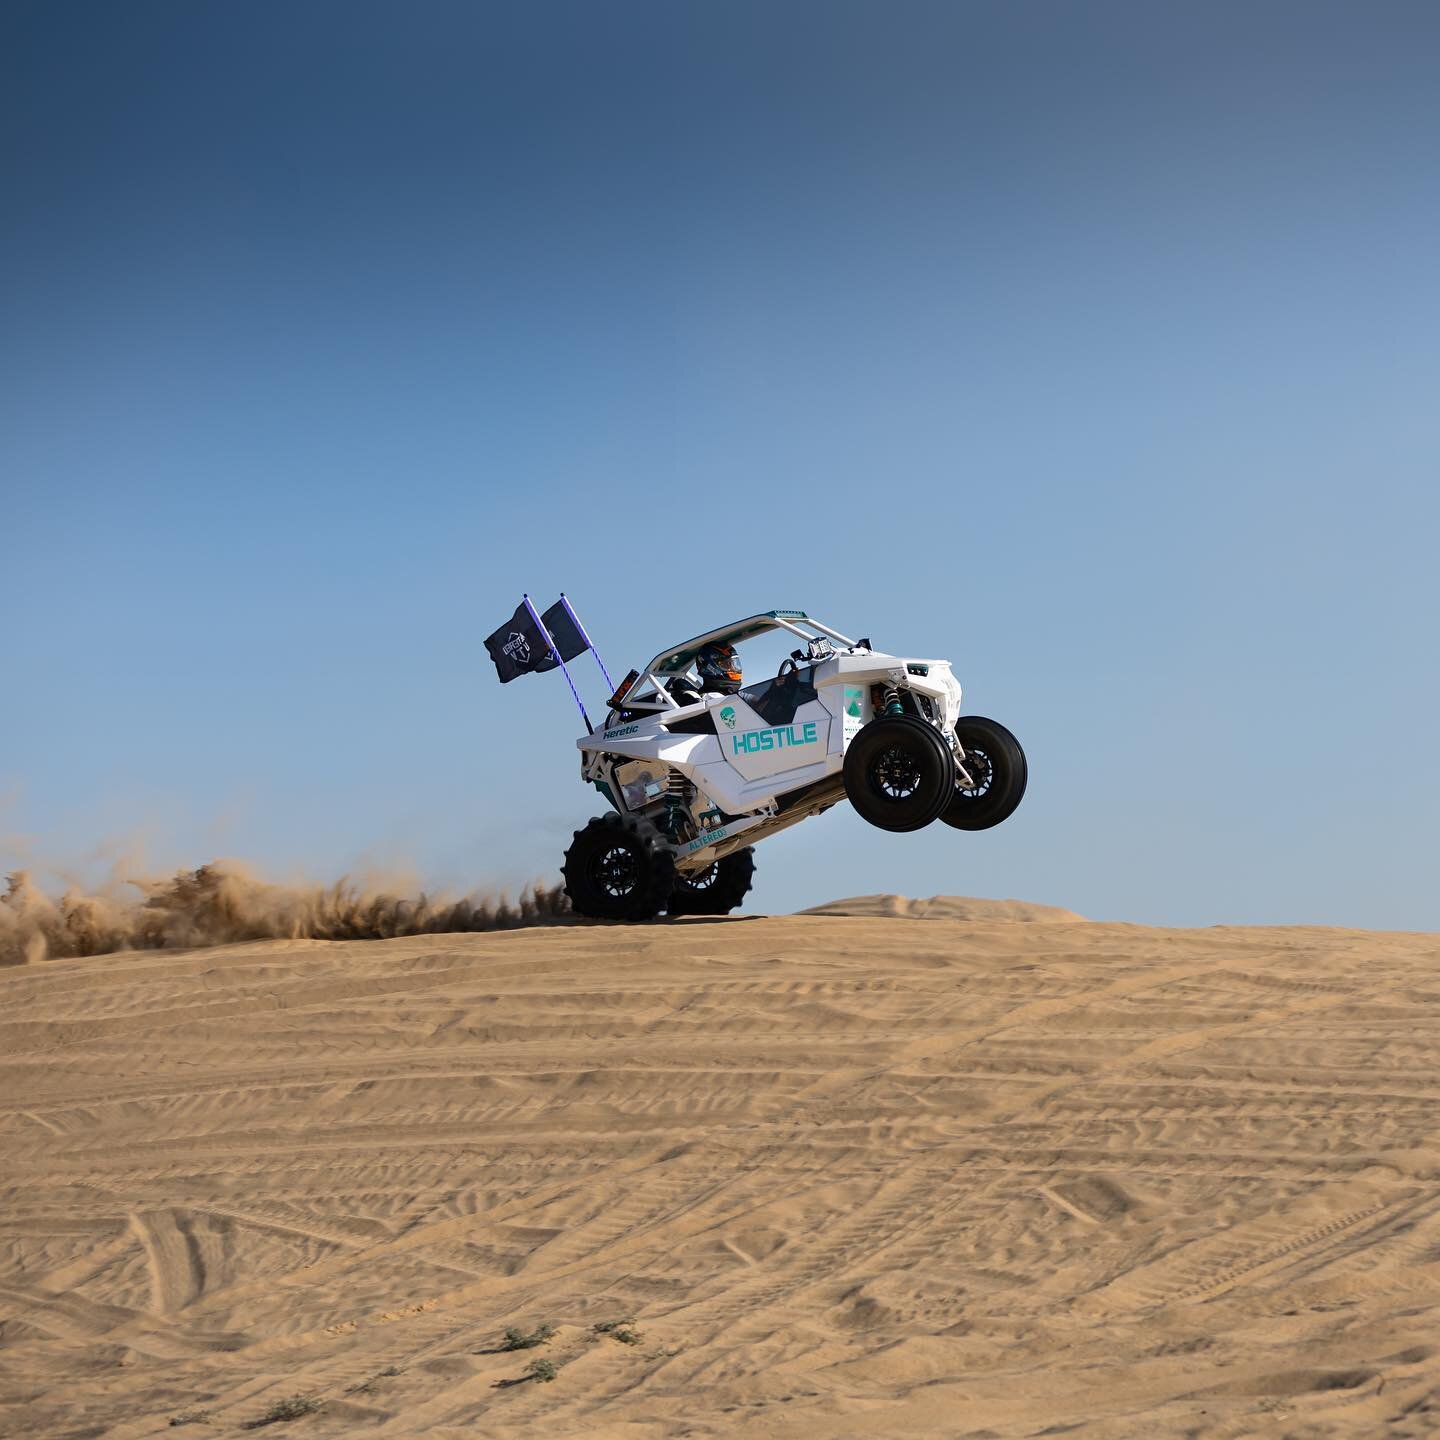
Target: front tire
{"points": [[997, 766], [718, 889], [614, 870], [899, 773]]}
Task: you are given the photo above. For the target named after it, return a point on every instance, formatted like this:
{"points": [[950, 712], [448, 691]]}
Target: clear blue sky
{"points": [[1095, 347]]}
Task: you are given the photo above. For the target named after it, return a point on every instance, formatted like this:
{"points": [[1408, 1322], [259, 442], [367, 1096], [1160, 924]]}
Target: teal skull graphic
{"points": [[728, 716]]}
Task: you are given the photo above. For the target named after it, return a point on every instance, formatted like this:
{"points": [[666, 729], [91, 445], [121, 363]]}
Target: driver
{"points": [[719, 669]]}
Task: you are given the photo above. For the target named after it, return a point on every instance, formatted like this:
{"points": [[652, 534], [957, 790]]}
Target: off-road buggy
{"points": [[697, 779]]}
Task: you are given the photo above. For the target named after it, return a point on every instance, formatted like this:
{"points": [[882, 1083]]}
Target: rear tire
{"points": [[716, 890], [997, 764], [899, 773], [615, 870]]}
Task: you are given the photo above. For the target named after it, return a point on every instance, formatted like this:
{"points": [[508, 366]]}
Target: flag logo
{"points": [[520, 647], [529, 643]]}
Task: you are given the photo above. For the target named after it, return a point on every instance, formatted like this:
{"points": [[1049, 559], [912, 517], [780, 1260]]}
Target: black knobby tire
{"points": [[899, 773], [997, 765], [718, 889], [615, 870]]}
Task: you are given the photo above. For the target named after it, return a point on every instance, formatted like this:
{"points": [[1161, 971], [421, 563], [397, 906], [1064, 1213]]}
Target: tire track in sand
{"points": [[177, 1273]]}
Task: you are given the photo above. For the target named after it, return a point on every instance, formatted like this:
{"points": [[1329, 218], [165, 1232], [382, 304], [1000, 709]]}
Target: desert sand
{"points": [[940, 1168]]}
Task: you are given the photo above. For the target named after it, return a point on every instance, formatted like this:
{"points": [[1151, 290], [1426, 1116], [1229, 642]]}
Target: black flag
{"points": [[564, 631], [518, 648]]}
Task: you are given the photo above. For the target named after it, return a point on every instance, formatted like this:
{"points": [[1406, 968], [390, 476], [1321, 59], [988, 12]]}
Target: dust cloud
{"points": [[223, 902]]}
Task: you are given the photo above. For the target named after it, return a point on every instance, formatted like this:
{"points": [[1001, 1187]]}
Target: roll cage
{"points": [[645, 689]]}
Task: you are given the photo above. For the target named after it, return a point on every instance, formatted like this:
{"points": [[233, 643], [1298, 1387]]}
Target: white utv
{"points": [[696, 779]]}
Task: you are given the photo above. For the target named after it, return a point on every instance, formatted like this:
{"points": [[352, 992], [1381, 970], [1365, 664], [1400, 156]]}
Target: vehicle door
{"points": [[776, 726]]}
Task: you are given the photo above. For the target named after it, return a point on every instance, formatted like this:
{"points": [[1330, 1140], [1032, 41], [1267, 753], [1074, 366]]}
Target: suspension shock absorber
{"points": [[677, 805], [892, 701]]}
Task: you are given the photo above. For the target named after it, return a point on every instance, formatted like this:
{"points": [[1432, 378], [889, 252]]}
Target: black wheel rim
{"points": [[616, 870], [982, 771], [896, 773], [702, 879]]}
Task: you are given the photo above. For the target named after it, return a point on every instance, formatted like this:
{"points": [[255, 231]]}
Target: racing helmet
{"points": [[719, 669]]}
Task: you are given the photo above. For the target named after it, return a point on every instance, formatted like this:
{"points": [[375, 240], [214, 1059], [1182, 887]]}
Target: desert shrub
{"points": [[622, 1330], [367, 1386], [516, 1339], [291, 1408]]}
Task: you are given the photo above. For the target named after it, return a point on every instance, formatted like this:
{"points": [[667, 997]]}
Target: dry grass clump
{"points": [[622, 1330], [294, 1407], [516, 1339], [370, 1385]]}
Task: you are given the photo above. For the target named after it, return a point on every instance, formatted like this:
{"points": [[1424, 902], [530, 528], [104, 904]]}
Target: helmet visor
{"points": [[720, 662]]}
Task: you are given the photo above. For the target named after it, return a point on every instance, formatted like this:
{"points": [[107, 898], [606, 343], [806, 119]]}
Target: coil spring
{"points": [[677, 804], [892, 701]]}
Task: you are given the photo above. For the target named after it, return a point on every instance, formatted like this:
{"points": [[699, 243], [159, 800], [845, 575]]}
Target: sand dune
{"points": [[946, 907], [850, 1175]]}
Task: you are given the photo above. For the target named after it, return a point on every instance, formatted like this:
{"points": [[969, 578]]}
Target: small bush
{"points": [[519, 1340], [190, 1417], [289, 1409], [622, 1330], [543, 1370], [368, 1387]]}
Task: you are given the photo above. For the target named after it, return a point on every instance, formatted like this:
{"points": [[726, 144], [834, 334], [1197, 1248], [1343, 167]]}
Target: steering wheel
{"points": [[783, 672]]}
